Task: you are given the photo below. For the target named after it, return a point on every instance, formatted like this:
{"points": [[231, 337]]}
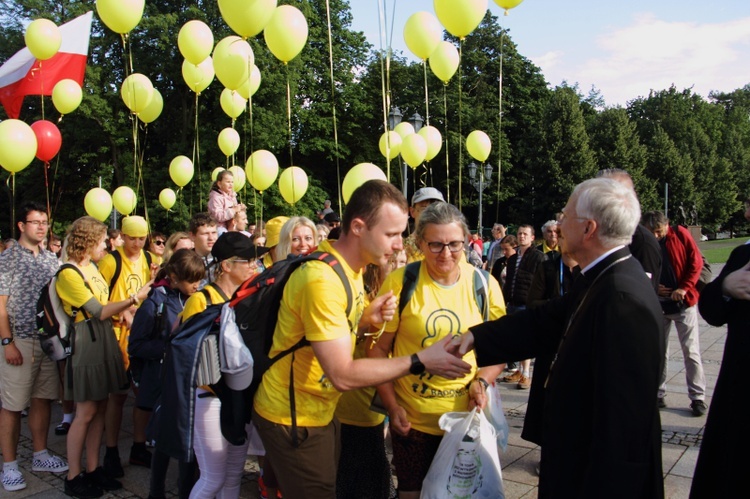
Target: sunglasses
{"points": [[159, 242]]}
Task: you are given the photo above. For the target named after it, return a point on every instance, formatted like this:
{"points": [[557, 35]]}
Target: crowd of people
{"points": [[436, 317]]}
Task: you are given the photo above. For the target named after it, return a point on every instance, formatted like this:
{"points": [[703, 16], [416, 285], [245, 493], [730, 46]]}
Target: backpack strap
{"points": [[481, 295], [216, 288]]}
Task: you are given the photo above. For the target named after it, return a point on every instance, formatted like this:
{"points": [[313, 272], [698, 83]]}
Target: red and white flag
{"points": [[23, 74]]}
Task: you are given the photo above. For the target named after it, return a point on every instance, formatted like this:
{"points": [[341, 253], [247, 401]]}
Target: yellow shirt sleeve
{"points": [[197, 302], [73, 292]]}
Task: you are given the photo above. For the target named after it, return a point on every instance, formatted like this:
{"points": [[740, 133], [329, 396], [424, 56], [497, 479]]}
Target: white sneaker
{"points": [[53, 464], [13, 480]]}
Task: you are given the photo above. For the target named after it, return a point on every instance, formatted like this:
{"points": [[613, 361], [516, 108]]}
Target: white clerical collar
{"points": [[601, 257]]}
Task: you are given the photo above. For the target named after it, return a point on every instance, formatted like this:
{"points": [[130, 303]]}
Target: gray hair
{"points": [[547, 224], [440, 213], [613, 206], [654, 220]]}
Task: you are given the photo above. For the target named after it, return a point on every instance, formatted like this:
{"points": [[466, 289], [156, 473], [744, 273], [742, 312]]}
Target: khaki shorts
{"points": [[37, 377]]}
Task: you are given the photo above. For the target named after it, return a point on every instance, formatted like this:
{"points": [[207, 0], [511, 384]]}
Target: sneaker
{"points": [[513, 378], [99, 478], [524, 383], [661, 402], [53, 464], [62, 428], [113, 466], [82, 488], [140, 457], [699, 408], [13, 480]]}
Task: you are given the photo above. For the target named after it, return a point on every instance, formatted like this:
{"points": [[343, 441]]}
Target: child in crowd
{"points": [[222, 201]]}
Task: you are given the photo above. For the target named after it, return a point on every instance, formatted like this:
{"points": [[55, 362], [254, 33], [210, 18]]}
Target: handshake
{"points": [[445, 358]]}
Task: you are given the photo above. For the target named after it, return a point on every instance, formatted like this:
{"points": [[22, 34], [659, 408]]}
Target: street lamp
{"points": [[480, 184], [394, 117]]}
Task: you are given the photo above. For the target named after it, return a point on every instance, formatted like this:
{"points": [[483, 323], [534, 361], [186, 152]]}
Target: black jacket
{"points": [[723, 459], [602, 432], [516, 295]]}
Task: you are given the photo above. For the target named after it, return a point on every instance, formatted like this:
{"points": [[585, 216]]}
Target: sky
{"points": [[624, 48]]}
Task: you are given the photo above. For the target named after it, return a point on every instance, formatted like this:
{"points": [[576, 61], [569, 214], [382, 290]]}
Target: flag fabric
{"points": [[23, 74]]}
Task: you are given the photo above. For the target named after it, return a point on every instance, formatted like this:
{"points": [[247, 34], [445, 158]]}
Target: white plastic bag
{"points": [[493, 410], [467, 464]]}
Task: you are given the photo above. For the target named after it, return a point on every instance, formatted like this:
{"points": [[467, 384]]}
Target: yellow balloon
{"points": [[232, 103], [293, 184], [233, 57], [121, 16], [460, 18], [358, 175], [395, 144], [215, 173], [434, 140], [66, 96], [286, 32], [167, 198], [98, 203], [17, 145], [422, 33], [261, 168], [239, 177], [414, 150], [479, 145], [229, 141], [404, 129], [508, 4], [137, 92], [199, 77], [195, 41], [43, 39], [252, 84], [444, 61], [124, 199], [154, 108], [181, 170], [247, 18]]}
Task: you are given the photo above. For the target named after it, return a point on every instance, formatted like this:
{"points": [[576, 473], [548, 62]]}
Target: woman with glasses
{"points": [[221, 463], [444, 302], [95, 369], [156, 245]]}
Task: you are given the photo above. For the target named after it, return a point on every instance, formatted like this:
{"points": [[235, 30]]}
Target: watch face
{"points": [[6, 341]]}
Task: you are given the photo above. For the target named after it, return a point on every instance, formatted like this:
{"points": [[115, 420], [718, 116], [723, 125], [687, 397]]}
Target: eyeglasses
{"points": [[159, 242], [453, 246], [38, 223], [251, 263], [563, 216]]}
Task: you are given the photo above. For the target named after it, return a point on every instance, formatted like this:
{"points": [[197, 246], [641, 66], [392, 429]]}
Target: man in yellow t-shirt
{"points": [[135, 272], [314, 306]]}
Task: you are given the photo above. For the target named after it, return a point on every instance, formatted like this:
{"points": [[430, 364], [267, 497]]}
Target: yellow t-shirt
{"points": [[197, 302], [74, 293], [312, 306], [433, 312], [354, 406], [133, 276]]}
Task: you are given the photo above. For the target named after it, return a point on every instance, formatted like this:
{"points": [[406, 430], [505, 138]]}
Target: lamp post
{"points": [[480, 184]]}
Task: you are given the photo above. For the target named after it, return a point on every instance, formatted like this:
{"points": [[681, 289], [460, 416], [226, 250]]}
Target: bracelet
{"points": [[483, 382]]}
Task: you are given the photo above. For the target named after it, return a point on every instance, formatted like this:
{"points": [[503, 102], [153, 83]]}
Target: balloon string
{"points": [[447, 162], [460, 127], [289, 117], [46, 188], [385, 83], [428, 166], [134, 122], [141, 179], [41, 87], [333, 105], [499, 126], [12, 180], [197, 158], [129, 46], [54, 181]]}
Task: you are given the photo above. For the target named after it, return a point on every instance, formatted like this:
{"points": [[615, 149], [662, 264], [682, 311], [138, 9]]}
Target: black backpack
{"points": [[256, 307], [55, 327]]}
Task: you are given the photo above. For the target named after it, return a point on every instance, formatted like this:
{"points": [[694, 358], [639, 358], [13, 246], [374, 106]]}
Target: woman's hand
{"points": [[477, 395], [399, 422]]}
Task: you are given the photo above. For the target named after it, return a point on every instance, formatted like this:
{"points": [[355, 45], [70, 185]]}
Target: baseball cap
{"points": [[332, 217], [238, 245], [425, 194], [273, 230]]}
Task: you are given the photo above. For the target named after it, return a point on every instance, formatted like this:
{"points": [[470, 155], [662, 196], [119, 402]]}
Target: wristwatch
{"points": [[6, 341], [416, 365]]}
